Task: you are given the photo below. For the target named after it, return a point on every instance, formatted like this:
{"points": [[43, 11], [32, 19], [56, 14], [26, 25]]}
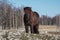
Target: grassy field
{"points": [[20, 34]]}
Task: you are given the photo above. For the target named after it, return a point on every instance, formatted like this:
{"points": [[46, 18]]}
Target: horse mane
{"points": [[36, 13]]}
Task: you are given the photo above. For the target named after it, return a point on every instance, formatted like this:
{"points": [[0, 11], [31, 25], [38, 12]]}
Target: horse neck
{"points": [[31, 14]]}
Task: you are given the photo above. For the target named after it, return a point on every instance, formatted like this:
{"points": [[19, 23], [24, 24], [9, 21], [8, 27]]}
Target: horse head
{"points": [[27, 10]]}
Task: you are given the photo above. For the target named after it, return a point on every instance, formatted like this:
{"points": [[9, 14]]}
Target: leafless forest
{"points": [[10, 17]]}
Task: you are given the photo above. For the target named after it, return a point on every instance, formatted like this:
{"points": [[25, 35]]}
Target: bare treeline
{"points": [[45, 20], [10, 17]]}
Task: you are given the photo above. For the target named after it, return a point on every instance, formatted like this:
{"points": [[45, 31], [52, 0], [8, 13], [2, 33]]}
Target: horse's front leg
{"points": [[26, 29], [31, 29]]}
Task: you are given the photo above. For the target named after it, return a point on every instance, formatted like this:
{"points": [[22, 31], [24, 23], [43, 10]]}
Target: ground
{"points": [[20, 34]]}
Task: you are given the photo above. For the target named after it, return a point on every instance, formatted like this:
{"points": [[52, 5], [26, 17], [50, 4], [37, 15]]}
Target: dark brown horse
{"points": [[31, 19]]}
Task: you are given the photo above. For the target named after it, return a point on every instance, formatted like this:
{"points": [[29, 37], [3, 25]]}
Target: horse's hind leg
{"points": [[36, 29]]}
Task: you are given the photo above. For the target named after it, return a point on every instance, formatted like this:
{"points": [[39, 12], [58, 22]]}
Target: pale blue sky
{"points": [[43, 7]]}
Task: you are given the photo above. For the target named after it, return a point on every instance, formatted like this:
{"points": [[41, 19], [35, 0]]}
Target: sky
{"points": [[43, 7]]}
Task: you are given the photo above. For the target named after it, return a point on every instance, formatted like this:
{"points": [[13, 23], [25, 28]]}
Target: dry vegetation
{"points": [[21, 35]]}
